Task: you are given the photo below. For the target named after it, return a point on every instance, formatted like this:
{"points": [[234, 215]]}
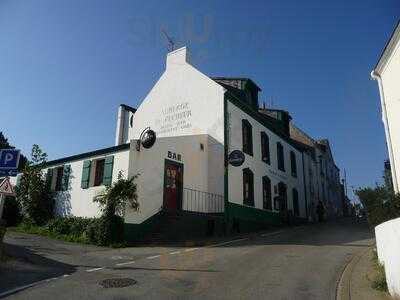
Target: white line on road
{"points": [[153, 257], [125, 263], [95, 269], [272, 233], [191, 249], [228, 242], [175, 252]]}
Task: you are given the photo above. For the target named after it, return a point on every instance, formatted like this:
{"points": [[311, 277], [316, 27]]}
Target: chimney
{"points": [[125, 113], [178, 57]]}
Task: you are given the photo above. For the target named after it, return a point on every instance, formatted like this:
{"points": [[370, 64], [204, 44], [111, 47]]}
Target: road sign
{"points": [[6, 188], [9, 159], [8, 172]]}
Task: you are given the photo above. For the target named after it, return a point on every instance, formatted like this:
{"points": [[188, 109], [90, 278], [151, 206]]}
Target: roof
{"points": [[87, 155], [236, 78], [388, 50]]}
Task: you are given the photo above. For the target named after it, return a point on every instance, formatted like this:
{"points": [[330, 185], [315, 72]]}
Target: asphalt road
{"points": [[293, 263]]}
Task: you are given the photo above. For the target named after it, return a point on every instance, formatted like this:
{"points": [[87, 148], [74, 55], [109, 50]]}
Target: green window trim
{"points": [[108, 170], [87, 164], [65, 178]]}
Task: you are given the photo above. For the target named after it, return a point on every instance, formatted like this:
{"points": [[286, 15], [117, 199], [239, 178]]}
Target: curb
{"points": [[343, 288]]}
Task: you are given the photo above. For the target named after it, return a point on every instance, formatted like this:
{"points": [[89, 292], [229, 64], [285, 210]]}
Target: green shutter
{"points": [[65, 178], [49, 177], [108, 170], [19, 176], [86, 174]]}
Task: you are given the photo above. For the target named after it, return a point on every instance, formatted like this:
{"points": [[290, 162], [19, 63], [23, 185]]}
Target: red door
{"points": [[173, 186]]}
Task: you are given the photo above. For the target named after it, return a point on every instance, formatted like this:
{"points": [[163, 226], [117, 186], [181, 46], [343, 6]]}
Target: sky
{"points": [[65, 66]]}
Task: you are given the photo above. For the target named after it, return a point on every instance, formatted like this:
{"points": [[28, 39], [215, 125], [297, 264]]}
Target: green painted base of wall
{"points": [[246, 219], [175, 227], [137, 232]]}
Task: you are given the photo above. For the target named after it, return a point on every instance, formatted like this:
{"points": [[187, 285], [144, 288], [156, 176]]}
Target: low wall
{"points": [[388, 247]]}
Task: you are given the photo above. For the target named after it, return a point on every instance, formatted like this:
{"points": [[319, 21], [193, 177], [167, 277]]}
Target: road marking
{"points": [[175, 252], [228, 242], [272, 233], [125, 263], [95, 269], [191, 249], [153, 257]]}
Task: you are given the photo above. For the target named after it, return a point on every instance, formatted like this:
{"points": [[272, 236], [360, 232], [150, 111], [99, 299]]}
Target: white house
{"points": [[387, 74], [199, 123]]}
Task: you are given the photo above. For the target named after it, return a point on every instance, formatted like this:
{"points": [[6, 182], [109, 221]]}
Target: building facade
{"points": [[199, 122], [387, 74]]}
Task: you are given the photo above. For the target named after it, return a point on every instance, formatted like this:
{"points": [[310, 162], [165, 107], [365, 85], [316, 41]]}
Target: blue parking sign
{"points": [[9, 158]]}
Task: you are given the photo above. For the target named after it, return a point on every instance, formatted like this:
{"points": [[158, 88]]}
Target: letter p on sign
{"points": [[9, 159]]}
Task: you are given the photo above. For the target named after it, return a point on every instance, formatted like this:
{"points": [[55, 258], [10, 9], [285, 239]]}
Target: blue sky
{"points": [[65, 66]]}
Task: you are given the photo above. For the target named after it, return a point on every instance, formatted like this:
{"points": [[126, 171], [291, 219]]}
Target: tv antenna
{"points": [[171, 43]]}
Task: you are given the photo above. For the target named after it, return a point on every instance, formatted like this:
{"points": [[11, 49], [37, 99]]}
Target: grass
{"points": [[379, 282], [44, 231]]}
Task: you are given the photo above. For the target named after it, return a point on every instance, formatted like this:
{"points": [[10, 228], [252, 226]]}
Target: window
{"points": [[59, 178], [295, 202], [247, 137], [248, 187], [280, 156], [265, 148], [293, 164], [99, 172], [266, 185]]}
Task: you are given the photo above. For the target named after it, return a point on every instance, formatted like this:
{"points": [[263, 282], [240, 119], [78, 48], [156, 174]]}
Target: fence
{"points": [[204, 202]]}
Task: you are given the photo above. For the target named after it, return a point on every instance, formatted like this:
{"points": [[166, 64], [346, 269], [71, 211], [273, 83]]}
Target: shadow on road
{"points": [[342, 232], [23, 267]]}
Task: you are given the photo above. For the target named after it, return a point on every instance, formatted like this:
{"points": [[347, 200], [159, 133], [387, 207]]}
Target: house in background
{"points": [[387, 74], [218, 161]]}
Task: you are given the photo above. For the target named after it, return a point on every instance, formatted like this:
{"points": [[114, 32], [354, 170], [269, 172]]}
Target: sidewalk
{"points": [[357, 277]]}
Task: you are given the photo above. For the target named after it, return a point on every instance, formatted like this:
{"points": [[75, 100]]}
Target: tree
{"points": [[109, 228], [33, 191], [380, 203], [4, 144]]}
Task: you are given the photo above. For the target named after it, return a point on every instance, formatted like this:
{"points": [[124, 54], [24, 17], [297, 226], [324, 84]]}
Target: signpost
{"points": [[9, 159]]}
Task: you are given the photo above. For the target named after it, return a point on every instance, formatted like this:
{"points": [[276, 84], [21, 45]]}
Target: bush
{"points": [[12, 211], [69, 225], [105, 231]]}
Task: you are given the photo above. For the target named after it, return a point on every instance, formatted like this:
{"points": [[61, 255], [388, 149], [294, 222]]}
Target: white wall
{"points": [[391, 90], [388, 246], [258, 167], [149, 164], [184, 101], [79, 202]]}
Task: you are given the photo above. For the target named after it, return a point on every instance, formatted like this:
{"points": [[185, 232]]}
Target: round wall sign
{"points": [[236, 158], [148, 138]]}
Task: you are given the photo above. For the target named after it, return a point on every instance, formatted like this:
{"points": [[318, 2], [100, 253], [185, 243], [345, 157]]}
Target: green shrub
{"points": [[12, 211], [69, 225], [379, 282], [105, 231]]}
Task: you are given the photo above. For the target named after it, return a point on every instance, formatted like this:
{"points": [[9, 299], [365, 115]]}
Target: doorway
{"points": [[173, 186]]}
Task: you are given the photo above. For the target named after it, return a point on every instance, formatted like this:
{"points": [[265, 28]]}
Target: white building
{"points": [[199, 121], [387, 74]]}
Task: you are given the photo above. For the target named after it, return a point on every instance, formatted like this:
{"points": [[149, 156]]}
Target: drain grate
{"points": [[117, 282]]}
